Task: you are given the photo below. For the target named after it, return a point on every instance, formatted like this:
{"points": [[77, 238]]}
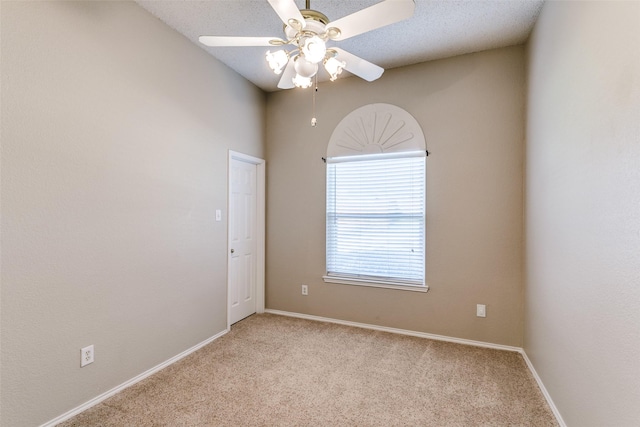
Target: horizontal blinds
{"points": [[375, 218]]}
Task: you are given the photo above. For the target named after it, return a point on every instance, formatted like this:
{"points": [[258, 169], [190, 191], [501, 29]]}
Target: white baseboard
{"points": [[543, 389], [132, 381], [185, 353], [398, 331], [546, 395]]}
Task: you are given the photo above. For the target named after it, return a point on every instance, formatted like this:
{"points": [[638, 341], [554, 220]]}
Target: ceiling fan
{"points": [[308, 32]]}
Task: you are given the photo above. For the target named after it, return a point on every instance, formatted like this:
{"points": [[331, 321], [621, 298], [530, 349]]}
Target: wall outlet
{"points": [[305, 290], [86, 356], [481, 310]]}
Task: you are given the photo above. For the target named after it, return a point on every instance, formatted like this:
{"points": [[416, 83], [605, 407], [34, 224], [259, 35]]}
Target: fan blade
{"points": [[286, 81], [287, 10], [376, 16], [216, 41], [358, 66]]}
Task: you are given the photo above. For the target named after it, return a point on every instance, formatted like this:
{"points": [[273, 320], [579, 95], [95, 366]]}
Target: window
{"points": [[376, 220]]}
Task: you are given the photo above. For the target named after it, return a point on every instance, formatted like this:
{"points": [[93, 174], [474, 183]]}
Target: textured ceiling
{"points": [[438, 29]]}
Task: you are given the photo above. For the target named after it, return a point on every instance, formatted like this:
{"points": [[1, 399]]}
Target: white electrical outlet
{"points": [[305, 290], [481, 310], [86, 356]]}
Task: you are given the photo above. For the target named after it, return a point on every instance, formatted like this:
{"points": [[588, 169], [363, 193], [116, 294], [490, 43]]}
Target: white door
{"points": [[243, 239]]}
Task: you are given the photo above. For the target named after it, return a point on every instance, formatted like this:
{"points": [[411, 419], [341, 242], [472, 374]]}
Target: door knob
{"points": [[232, 250]]}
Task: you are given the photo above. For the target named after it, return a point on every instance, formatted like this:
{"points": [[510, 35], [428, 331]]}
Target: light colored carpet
{"points": [[272, 370]]}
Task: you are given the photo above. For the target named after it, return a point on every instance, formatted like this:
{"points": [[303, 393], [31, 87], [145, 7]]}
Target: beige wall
{"points": [[115, 131], [471, 109], [583, 210]]}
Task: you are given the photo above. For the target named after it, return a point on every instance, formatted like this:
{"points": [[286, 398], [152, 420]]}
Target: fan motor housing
{"points": [[315, 22], [314, 15]]}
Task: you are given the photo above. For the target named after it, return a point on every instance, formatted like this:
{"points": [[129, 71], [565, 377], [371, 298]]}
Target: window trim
{"points": [[374, 281], [378, 156]]}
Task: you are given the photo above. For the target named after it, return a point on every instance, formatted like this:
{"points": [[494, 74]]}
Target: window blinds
{"points": [[376, 219]]}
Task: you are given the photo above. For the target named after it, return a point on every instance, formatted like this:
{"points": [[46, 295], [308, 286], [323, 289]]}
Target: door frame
{"points": [[260, 228]]}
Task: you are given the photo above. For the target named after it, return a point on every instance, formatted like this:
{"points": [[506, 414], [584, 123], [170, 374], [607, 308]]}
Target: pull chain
{"points": [[314, 122]]}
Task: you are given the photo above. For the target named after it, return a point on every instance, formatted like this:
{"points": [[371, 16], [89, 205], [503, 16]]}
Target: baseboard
{"points": [[185, 353], [397, 331], [130, 382], [543, 389]]}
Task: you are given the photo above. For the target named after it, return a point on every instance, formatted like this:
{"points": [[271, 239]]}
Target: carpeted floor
{"points": [[272, 370]]}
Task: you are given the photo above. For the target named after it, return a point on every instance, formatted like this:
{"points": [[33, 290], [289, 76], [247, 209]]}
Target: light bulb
{"points": [[334, 67], [277, 60], [302, 82], [305, 68], [314, 49]]}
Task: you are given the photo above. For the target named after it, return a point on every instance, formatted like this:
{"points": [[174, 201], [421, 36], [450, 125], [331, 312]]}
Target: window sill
{"points": [[375, 284]]}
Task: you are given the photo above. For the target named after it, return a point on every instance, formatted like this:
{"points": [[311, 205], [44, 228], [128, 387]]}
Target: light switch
{"points": [[218, 215], [481, 310]]}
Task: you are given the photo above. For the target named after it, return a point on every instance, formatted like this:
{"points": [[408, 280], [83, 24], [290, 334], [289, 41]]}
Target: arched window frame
{"points": [[374, 155]]}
